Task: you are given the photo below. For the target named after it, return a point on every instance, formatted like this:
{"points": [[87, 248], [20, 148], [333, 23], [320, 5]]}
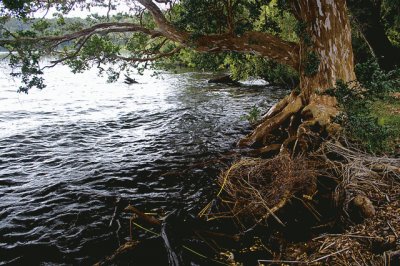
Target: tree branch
{"points": [[258, 43], [98, 28], [162, 23]]}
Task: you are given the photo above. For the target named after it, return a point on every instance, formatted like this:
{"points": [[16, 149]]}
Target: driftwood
{"points": [[123, 250], [147, 218], [172, 232], [226, 79], [129, 80]]}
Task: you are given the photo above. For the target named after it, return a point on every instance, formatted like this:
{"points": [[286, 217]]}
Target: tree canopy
{"points": [[254, 37]]}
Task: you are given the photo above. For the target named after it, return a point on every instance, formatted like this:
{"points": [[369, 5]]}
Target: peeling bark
{"points": [[258, 43], [328, 38], [328, 27]]}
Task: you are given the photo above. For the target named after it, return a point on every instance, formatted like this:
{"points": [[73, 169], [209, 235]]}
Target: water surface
{"points": [[67, 152]]}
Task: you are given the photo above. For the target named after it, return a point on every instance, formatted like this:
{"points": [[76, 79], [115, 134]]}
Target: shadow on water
{"points": [[68, 152]]}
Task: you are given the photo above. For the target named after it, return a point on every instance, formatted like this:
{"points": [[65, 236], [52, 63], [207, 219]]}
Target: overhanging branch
{"points": [[163, 24], [98, 28], [148, 59], [258, 43]]}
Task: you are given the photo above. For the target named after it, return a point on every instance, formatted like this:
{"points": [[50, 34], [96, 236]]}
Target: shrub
{"points": [[361, 121]]}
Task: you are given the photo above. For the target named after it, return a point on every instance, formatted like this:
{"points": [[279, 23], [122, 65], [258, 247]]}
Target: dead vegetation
{"points": [[254, 189], [367, 199], [356, 215], [372, 241]]}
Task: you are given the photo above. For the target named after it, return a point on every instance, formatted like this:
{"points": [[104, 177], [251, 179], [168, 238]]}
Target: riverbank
{"points": [[347, 213]]}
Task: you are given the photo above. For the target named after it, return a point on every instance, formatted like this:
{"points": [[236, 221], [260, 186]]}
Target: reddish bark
{"points": [[328, 27], [323, 57]]}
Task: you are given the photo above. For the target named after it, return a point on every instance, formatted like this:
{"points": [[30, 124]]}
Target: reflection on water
{"points": [[68, 151]]}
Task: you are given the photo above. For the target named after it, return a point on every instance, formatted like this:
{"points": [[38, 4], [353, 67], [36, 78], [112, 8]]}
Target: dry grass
{"points": [[377, 178], [369, 242], [255, 189], [361, 173]]}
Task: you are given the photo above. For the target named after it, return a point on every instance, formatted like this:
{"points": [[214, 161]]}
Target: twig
{"points": [[281, 261], [329, 255], [347, 235], [391, 227]]}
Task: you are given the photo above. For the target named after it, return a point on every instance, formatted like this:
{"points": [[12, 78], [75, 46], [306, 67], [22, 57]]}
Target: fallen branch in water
{"points": [[147, 218]]}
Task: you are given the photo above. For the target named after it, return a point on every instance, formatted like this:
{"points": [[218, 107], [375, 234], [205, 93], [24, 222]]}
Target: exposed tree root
{"points": [[278, 107], [292, 125], [275, 120]]}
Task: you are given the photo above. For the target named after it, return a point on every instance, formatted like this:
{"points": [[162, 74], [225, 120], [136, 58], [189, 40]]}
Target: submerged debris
{"points": [[330, 186]]}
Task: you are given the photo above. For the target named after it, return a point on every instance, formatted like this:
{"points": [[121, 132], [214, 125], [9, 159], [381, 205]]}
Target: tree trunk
{"points": [[327, 38], [326, 56]]}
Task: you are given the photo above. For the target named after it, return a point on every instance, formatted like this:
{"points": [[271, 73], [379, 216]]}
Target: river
{"points": [[69, 151]]}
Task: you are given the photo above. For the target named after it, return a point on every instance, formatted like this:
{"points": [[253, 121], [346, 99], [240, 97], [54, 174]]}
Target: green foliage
{"points": [[253, 116], [378, 82], [102, 50], [41, 25], [210, 16], [97, 48], [360, 124], [17, 7], [264, 16], [197, 17], [376, 31], [311, 64], [244, 66], [30, 72], [388, 113], [391, 19], [361, 49], [189, 58], [361, 121], [200, 17]]}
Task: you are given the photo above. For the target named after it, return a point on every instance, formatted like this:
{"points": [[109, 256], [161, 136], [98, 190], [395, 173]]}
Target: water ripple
{"points": [[68, 152]]}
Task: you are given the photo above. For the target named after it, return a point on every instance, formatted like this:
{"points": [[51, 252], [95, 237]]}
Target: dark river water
{"points": [[69, 151]]}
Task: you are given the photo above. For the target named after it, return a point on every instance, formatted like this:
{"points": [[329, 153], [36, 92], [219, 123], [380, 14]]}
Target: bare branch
{"points": [[98, 28]]}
